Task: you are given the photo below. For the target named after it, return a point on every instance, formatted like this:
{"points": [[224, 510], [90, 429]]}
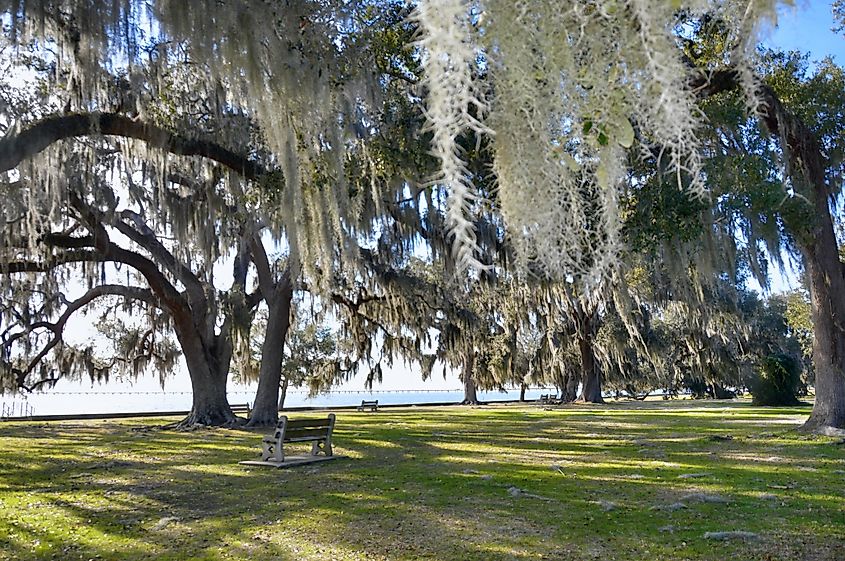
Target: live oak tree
{"points": [[560, 131], [195, 112], [793, 197], [566, 90]]}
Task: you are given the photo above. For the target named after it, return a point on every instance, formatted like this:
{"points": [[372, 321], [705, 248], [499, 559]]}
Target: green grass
{"points": [[432, 483]]}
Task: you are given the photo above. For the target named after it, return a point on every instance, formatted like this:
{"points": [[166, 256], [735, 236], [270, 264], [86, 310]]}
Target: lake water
{"points": [[105, 402]]}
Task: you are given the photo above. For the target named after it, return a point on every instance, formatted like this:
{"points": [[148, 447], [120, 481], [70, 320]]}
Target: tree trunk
{"points": [[283, 393], [265, 411], [827, 292], [719, 391], [470, 393], [208, 366], [590, 375], [570, 390], [560, 385], [522, 388]]}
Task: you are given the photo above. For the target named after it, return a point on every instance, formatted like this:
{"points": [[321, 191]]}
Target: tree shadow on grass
{"points": [[433, 484]]}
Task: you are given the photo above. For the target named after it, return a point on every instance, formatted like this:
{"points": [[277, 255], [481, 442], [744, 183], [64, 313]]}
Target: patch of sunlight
{"points": [[227, 470], [63, 524], [761, 420], [216, 447], [350, 453], [467, 460], [356, 495], [769, 459], [501, 549], [465, 447], [672, 438], [645, 463], [376, 443], [834, 500], [772, 469], [627, 425], [474, 459]]}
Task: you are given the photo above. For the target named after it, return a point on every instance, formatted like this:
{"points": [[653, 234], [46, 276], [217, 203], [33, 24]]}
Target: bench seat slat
{"points": [[307, 423], [305, 433], [304, 438], [270, 439]]}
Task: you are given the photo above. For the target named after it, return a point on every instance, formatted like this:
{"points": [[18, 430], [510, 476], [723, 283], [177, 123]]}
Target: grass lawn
{"points": [[640, 481]]}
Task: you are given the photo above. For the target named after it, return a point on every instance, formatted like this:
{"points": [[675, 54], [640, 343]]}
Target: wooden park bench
{"points": [[241, 408], [371, 405], [546, 398], [316, 431]]}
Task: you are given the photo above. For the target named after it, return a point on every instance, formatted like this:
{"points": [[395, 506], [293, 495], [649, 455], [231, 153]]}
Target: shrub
{"points": [[777, 381]]}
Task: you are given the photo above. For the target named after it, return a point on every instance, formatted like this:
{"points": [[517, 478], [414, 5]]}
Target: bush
{"points": [[777, 382]]}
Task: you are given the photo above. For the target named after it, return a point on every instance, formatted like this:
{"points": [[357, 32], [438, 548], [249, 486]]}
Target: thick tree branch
{"points": [[144, 236], [58, 327], [109, 251], [800, 144], [41, 134], [799, 139], [65, 258], [262, 266], [57, 239]]}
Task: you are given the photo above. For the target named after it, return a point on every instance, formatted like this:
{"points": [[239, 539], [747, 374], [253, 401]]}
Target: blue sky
{"points": [[807, 28]]}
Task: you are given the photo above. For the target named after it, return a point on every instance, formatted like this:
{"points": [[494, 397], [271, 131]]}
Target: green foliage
{"points": [[311, 357], [777, 381], [656, 211], [763, 213], [799, 318]]}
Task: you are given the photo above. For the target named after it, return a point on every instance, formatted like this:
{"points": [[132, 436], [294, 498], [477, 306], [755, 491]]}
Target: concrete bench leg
{"points": [[274, 451]]}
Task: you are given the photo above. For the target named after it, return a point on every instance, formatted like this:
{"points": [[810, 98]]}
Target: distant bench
{"points": [[371, 405], [547, 398], [241, 408], [317, 431]]}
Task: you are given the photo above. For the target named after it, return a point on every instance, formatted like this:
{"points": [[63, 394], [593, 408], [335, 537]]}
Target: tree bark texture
{"points": [[817, 241], [570, 390], [283, 393], [208, 367], [827, 293], [265, 411], [590, 373], [470, 390]]}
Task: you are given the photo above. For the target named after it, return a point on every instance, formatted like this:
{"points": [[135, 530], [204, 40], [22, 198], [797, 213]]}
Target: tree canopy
{"points": [[568, 171]]}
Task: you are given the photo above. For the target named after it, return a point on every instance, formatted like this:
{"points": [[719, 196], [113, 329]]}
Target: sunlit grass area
{"points": [[637, 481]]}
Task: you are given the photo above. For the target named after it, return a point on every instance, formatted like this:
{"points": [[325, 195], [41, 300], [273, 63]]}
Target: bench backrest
{"points": [[300, 429], [365, 403]]}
